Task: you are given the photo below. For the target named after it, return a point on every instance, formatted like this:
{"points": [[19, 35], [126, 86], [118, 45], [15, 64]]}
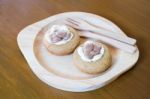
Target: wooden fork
{"points": [[83, 25]]}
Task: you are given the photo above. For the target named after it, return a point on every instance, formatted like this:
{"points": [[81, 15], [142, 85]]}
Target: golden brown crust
{"points": [[64, 48], [93, 67]]}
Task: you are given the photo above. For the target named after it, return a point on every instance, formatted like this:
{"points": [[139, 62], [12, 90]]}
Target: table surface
{"points": [[17, 81]]}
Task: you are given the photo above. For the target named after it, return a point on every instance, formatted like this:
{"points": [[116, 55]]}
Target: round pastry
{"points": [[61, 39], [92, 57]]}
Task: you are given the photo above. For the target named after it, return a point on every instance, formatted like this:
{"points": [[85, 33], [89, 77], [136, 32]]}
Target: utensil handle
{"points": [[115, 43], [113, 35]]}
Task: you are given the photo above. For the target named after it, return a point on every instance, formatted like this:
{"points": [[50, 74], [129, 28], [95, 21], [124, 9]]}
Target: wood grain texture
{"points": [[17, 80]]}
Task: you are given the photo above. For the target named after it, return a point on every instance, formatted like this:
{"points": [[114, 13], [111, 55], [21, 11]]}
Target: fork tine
{"points": [[71, 25], [79, 20], [72, 22]]}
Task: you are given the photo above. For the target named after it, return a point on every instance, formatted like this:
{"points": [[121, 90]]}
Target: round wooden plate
{"points": [[59, 71]]}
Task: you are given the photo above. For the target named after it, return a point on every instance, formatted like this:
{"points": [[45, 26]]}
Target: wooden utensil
{"points": [[110, 41], [83, 25]]}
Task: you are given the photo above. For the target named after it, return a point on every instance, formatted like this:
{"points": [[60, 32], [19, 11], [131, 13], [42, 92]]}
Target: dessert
{"points": [[92, 57], [61, 39]]}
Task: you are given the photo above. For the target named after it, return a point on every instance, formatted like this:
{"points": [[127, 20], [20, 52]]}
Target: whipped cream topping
{"points": [[95, 57], [58, 30]]}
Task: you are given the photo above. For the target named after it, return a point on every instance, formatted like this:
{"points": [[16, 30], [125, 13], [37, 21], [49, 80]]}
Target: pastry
{"points": [[61, 39], [92, 57]]}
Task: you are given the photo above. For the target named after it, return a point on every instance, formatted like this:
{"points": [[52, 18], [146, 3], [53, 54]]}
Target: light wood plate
{"points": [[59, 71]]}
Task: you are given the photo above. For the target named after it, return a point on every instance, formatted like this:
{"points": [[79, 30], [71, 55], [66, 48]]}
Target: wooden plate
{"points": [[59, 71]]}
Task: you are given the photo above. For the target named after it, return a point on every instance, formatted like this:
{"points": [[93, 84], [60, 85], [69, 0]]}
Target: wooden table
{"points": [[17, 81]]}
